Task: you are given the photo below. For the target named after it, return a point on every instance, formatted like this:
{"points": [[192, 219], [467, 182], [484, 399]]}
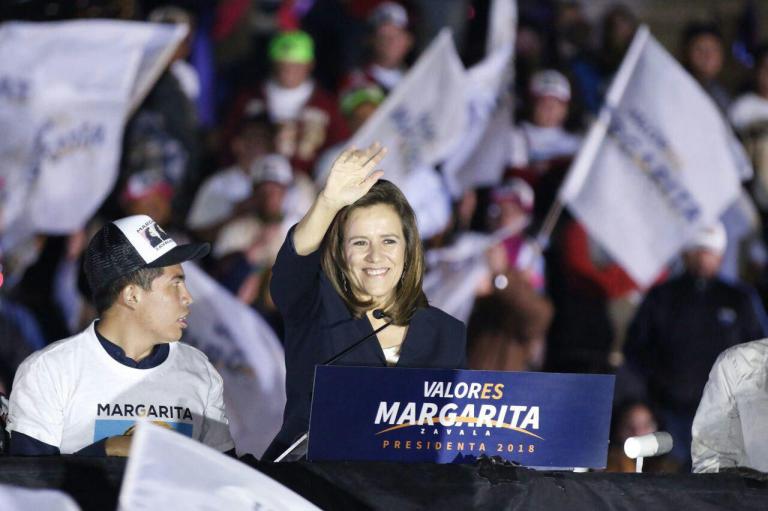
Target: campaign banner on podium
{"points": [[547, 420]]}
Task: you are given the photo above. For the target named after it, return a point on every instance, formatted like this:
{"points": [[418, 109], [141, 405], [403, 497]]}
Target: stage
{"points": [[95, 484]]}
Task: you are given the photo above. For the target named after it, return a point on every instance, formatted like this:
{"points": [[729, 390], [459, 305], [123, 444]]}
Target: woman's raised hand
{"points": [[352, 175]]}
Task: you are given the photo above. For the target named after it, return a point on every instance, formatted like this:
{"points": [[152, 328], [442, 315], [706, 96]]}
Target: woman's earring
{"points": [[344, 283]]}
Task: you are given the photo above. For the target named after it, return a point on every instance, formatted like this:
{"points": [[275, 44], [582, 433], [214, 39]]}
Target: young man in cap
{"points": [[84, 394]]}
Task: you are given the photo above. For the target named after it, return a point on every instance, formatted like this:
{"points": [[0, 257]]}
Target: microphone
{"points": [[301, 441], [652, 444], [378, 314]]}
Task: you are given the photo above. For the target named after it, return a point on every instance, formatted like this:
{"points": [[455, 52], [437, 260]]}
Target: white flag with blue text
{"points": [[167, 470], [424, 116], [66, 90], [481, 156], [247, 354], [658, 163]]}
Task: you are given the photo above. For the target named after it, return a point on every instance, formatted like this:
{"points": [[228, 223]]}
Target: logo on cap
{"points": [[155, 235]]}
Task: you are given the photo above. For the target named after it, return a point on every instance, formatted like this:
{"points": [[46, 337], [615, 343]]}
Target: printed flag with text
{"points": [[66, 89], [659, 163], [424, 116], [480, 157], [170, 471]]}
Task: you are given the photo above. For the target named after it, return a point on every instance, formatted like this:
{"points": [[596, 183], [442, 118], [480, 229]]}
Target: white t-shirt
{"points": [[531, 143], [73, 393], [285, 104]]}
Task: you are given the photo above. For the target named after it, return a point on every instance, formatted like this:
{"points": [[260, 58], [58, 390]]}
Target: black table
{"points": [[95, 484]]}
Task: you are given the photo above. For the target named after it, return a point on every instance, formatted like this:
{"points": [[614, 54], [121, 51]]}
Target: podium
{"points": [[541, 420]]}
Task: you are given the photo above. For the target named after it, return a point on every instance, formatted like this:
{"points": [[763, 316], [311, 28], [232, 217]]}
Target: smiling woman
{"points": [[354, 264], [374, 251], [365, 254]]}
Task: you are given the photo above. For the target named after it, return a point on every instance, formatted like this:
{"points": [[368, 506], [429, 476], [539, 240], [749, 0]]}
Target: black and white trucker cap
{"points": [[131, 243]]}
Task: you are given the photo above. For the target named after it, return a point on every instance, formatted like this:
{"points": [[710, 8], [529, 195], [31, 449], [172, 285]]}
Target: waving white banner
{"points": [[423, 118], [15, 498], [502, 26], [482, 154], [167, 470], [659, 163], [66, 90], [247, 354]]}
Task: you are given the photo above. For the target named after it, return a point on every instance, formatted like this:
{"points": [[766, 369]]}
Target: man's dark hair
{"points": [[143, 277], [696, 29]]}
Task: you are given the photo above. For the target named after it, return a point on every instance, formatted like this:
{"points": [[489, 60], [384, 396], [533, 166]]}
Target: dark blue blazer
{"points": [[318, 325]]}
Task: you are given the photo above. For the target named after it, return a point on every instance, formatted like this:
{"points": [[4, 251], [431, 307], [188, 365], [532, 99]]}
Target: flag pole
{"points": [[545, 232], [580, 167]]}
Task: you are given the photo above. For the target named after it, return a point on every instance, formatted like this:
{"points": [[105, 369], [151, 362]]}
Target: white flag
{"points": [[657, 164], [167, 470], [502, 26], [14, 498], [66, 90], [424, 116], [482, 154], [247, 354], [455, 273]]}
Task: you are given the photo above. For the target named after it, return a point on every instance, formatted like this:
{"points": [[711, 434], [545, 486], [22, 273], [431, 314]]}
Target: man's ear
{"points": [[130, 296]]}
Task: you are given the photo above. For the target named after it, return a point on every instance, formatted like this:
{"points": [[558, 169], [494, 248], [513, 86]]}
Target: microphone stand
{"points": [[358, 343], [378, 314]]}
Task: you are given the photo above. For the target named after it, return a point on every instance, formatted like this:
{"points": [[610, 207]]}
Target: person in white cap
{"points": [[390, 43], [682, 326], [217, 198], [542, 140], [247, 246], [84, 394], [271, 178]]}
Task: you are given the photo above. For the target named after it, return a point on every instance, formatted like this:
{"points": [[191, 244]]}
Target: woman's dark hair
{"points": [[143, 277], [408, 294], [620, 411]]}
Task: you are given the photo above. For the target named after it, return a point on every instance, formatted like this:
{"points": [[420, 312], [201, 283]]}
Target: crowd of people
{"points": [[234, 150]]}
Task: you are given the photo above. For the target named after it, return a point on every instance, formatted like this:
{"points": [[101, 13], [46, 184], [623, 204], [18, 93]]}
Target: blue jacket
{"points": [[318, 325]]}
